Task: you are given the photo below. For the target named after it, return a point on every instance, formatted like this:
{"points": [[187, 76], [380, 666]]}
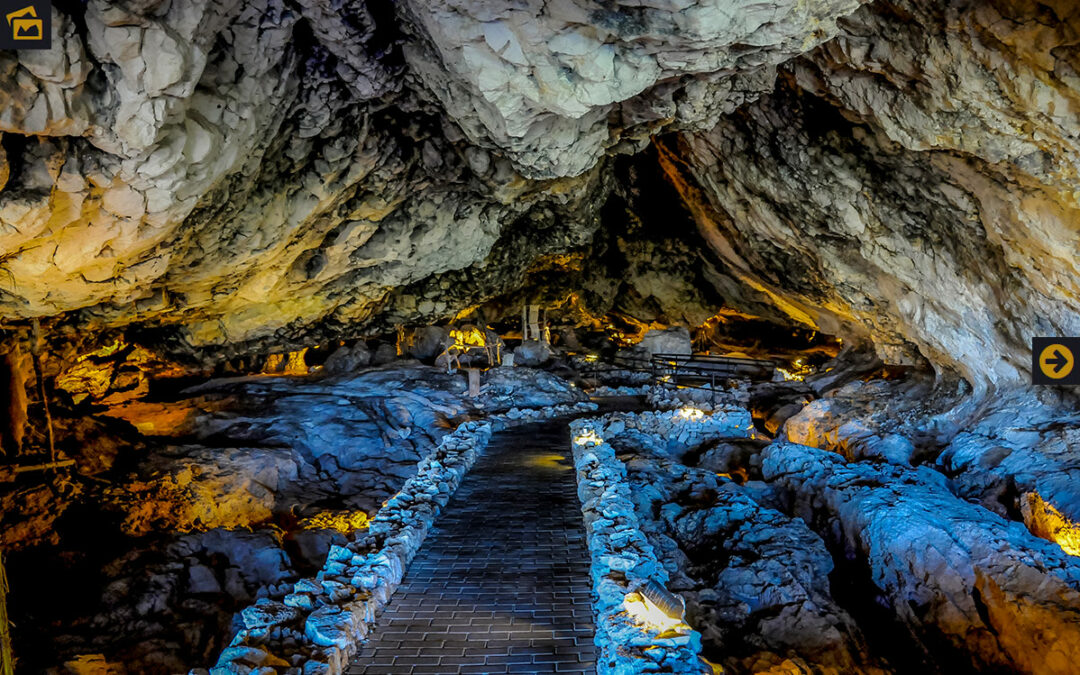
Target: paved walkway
{"points": [[501, 584]]}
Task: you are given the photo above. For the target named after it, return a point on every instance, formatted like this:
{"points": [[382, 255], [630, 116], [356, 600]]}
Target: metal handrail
{"points": [[705, 366], [665, 369], [712, 358]]}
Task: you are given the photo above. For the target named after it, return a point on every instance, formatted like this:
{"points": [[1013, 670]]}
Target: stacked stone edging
{"points": [[605, 390], [316, 629], [622, 560], [680, 428], [721, 397]]}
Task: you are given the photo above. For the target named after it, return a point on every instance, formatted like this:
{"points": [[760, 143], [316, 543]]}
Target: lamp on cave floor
{"points": [[656, 606], [673, 606]]}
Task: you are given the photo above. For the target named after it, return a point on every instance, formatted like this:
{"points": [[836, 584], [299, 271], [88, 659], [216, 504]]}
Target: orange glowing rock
{"points": [[273, 363], [1047, 522], [341, 521], [114, 373], [469, 336], [157, 419], [94, 664], [291, 363]]}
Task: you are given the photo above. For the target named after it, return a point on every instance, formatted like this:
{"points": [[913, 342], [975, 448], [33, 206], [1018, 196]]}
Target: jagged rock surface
{"points": [[958, 575], [756, 581], [245, 167], [199, 518], [912, 181]]}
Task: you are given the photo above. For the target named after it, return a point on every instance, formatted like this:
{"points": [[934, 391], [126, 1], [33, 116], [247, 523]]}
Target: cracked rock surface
{"points": [[756, 582], [899, 172], [971, 586]]}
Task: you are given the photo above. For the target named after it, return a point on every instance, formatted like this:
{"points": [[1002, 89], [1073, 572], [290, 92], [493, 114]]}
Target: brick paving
{"points": [[501, 584]]}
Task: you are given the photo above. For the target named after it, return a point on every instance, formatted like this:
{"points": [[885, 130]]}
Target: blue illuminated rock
{"points": [[956, 573]]}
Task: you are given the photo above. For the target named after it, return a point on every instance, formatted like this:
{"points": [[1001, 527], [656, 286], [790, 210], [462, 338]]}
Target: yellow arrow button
{"points": [[1056, 361]]}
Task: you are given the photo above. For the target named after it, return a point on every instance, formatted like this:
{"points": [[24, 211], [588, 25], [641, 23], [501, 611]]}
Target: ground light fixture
{"points": [[691, 414], [656, 607]]}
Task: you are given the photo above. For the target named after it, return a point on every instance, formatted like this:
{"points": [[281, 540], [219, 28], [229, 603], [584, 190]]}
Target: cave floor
{"points": [[502, 583]]}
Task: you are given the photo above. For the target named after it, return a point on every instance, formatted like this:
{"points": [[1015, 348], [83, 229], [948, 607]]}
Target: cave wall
{"points": [[912, 181], [248, 172], [239, 168]]}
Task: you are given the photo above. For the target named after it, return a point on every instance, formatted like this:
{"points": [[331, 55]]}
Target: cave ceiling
{"points": [[264, 173]]}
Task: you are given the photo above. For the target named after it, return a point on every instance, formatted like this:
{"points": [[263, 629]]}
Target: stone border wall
{"points": [[669, 397], [605, 390], [681, 428], [318, 627], [622, 560]]}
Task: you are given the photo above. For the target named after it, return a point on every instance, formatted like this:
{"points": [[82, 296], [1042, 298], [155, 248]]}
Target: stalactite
{"points": [[35, 353], [13, 393], [7, 658]]}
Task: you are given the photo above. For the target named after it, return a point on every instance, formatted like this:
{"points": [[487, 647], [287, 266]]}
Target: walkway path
{"points": [[502, 584]]}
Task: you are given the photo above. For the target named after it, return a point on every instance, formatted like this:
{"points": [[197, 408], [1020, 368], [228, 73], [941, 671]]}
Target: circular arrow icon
{"points": [[1056, 361]]}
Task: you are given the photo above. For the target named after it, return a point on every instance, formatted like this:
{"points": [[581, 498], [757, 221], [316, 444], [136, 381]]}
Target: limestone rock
{"points": [[348, 359], [674, 340], [428, 342], [385, 353], [755, 581], [955, 573], [889, 167], [532, 353]]}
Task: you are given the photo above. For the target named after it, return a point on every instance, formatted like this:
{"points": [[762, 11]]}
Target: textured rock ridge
{"points": [[901, 172], [955, 573], [756, 581], [912, 181], [241, 168], [554, 84]]}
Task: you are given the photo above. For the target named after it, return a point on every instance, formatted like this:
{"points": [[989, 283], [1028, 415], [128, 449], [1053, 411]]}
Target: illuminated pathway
{"points": [[501, 584]]}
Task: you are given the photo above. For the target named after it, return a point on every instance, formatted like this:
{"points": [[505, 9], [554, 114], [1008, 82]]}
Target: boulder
{"points": [[385, 353], [675, 340], [346, 359], [428, 342], [957, 574], [780, 416], [532, 353]]}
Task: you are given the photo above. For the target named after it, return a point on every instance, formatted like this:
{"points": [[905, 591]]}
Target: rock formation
{"points": [[250, 172], [959, 576], [204, 188], [902, 177], [756, 582]]}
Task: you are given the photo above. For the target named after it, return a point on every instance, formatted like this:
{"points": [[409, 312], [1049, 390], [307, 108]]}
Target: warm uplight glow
{"points": [[468, 337], [297, 365], [342, 521], [592, 358], [86, 378], [692, 414], [107, 350], [114, 373], [292, 363], [156, 419], [588, 437], [1045, 521], [550, 461], [797, 372], [648, 614], [273, 363]]}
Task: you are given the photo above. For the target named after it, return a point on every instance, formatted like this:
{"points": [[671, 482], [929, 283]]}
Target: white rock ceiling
{"points": [[901, 171]]}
